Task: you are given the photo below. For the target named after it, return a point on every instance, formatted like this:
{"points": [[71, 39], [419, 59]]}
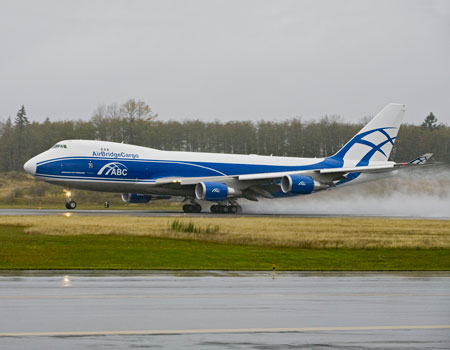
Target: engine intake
{"points": [[300, 184], [136, 198], [213, 191]]}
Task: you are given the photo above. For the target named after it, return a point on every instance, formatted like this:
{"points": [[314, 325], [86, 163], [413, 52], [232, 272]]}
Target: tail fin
{"points": [[375, 141]]}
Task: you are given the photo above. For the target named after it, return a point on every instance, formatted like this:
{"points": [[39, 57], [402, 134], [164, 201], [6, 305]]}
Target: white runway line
{"points": [[220, 295], [218, 331]]}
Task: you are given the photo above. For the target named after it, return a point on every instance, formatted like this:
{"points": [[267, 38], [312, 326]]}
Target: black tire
{"points": [[197, 208], [71, 205], [213, 208], [226, 209], [233, 209], [187, 208]]}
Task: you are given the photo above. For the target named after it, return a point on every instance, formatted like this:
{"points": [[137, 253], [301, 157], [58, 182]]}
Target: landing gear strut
{"points": [[192, 208], [226, 209]]}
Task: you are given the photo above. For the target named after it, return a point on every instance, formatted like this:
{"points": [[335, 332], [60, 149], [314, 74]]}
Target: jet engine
{"points": [[300, 184], [214, 191], [136, 198]]}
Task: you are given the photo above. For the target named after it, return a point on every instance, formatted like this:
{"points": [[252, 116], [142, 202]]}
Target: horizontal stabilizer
{"points": [[422, 159]]}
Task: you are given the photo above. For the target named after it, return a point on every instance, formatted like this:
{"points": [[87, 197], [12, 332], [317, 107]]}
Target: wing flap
{"points": [[358, 169], [262, 176]]}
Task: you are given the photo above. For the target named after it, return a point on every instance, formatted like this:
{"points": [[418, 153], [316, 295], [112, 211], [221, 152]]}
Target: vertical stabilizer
{"points": [[374, 142]]}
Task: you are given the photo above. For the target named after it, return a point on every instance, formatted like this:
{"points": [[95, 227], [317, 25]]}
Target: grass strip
{"points": [[20, 250]]}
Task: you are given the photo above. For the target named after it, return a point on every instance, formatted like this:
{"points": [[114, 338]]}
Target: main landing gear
{"points": [[226, 209], [70, 204], [232, 207], [192, 208]]}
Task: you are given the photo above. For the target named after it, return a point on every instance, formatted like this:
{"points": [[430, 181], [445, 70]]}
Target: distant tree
{"points": [[21, 140], [136, 115], [430, 122], [137, 110], [7, 146], [21, 120]]}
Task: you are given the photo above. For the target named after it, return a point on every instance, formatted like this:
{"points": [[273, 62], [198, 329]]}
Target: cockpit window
{"points": [[59, 146]]}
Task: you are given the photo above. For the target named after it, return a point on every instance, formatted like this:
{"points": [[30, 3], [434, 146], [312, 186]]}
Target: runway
{"points": [[163, 213], [224, 310]]}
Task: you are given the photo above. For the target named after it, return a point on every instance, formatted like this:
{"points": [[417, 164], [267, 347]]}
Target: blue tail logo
{"points": [[362, 153]]}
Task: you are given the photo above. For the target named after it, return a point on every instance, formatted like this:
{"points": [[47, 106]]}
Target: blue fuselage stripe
{"points": [[139, 170]]}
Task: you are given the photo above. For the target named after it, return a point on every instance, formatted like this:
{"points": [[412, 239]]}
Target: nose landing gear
{"points": [[70, 204]]}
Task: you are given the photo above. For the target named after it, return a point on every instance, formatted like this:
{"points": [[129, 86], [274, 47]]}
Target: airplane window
{"points": [[59, 146]]}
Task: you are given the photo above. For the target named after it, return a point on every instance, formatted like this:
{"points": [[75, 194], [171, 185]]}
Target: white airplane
{"points": [[142, 174]]}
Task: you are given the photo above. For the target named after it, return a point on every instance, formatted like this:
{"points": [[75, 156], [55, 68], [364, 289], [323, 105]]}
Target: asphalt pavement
{"points": [[165, 213], [224, 310]]}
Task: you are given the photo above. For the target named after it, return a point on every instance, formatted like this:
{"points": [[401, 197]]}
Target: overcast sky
{"points": [[226, 59]]}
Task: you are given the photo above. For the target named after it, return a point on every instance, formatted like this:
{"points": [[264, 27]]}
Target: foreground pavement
{"points": [[224, 310]]}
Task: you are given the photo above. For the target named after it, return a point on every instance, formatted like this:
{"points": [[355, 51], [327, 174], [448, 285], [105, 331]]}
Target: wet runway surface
{"points": [[162, 213], [218, 310]]}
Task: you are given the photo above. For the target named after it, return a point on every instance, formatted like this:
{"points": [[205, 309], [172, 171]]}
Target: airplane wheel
{"points": [[225, 209], [71, 205], [192, 208]]}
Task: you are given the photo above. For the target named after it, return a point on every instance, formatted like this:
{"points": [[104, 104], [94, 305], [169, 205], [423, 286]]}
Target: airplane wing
{"points": [[278, 175], [360, 169]]}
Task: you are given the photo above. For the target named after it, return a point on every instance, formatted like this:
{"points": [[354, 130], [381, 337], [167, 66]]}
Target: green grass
{"points": [[190, 227], [19, 250]]}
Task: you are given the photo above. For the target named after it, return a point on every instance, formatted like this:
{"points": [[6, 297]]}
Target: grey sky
{"points": [[226, 59]]}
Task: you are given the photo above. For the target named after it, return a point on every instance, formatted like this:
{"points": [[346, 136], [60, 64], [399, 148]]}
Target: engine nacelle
{"points": [[214, 191], [136, 198], [298, 184]]}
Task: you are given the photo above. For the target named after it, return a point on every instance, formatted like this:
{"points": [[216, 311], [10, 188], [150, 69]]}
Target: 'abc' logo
{"points": [[113, 168]]}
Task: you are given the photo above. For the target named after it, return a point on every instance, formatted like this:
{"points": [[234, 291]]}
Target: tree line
{"points": [[134, 122]]}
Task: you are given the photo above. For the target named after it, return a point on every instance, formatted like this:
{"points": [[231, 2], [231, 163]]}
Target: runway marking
{"points": [[277, 295], [218, 331]]}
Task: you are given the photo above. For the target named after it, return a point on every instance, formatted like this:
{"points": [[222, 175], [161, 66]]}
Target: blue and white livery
{"points": [[142, 174]]}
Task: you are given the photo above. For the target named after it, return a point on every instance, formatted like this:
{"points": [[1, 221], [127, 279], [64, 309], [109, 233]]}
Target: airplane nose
{"points": [[30, 166]]}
